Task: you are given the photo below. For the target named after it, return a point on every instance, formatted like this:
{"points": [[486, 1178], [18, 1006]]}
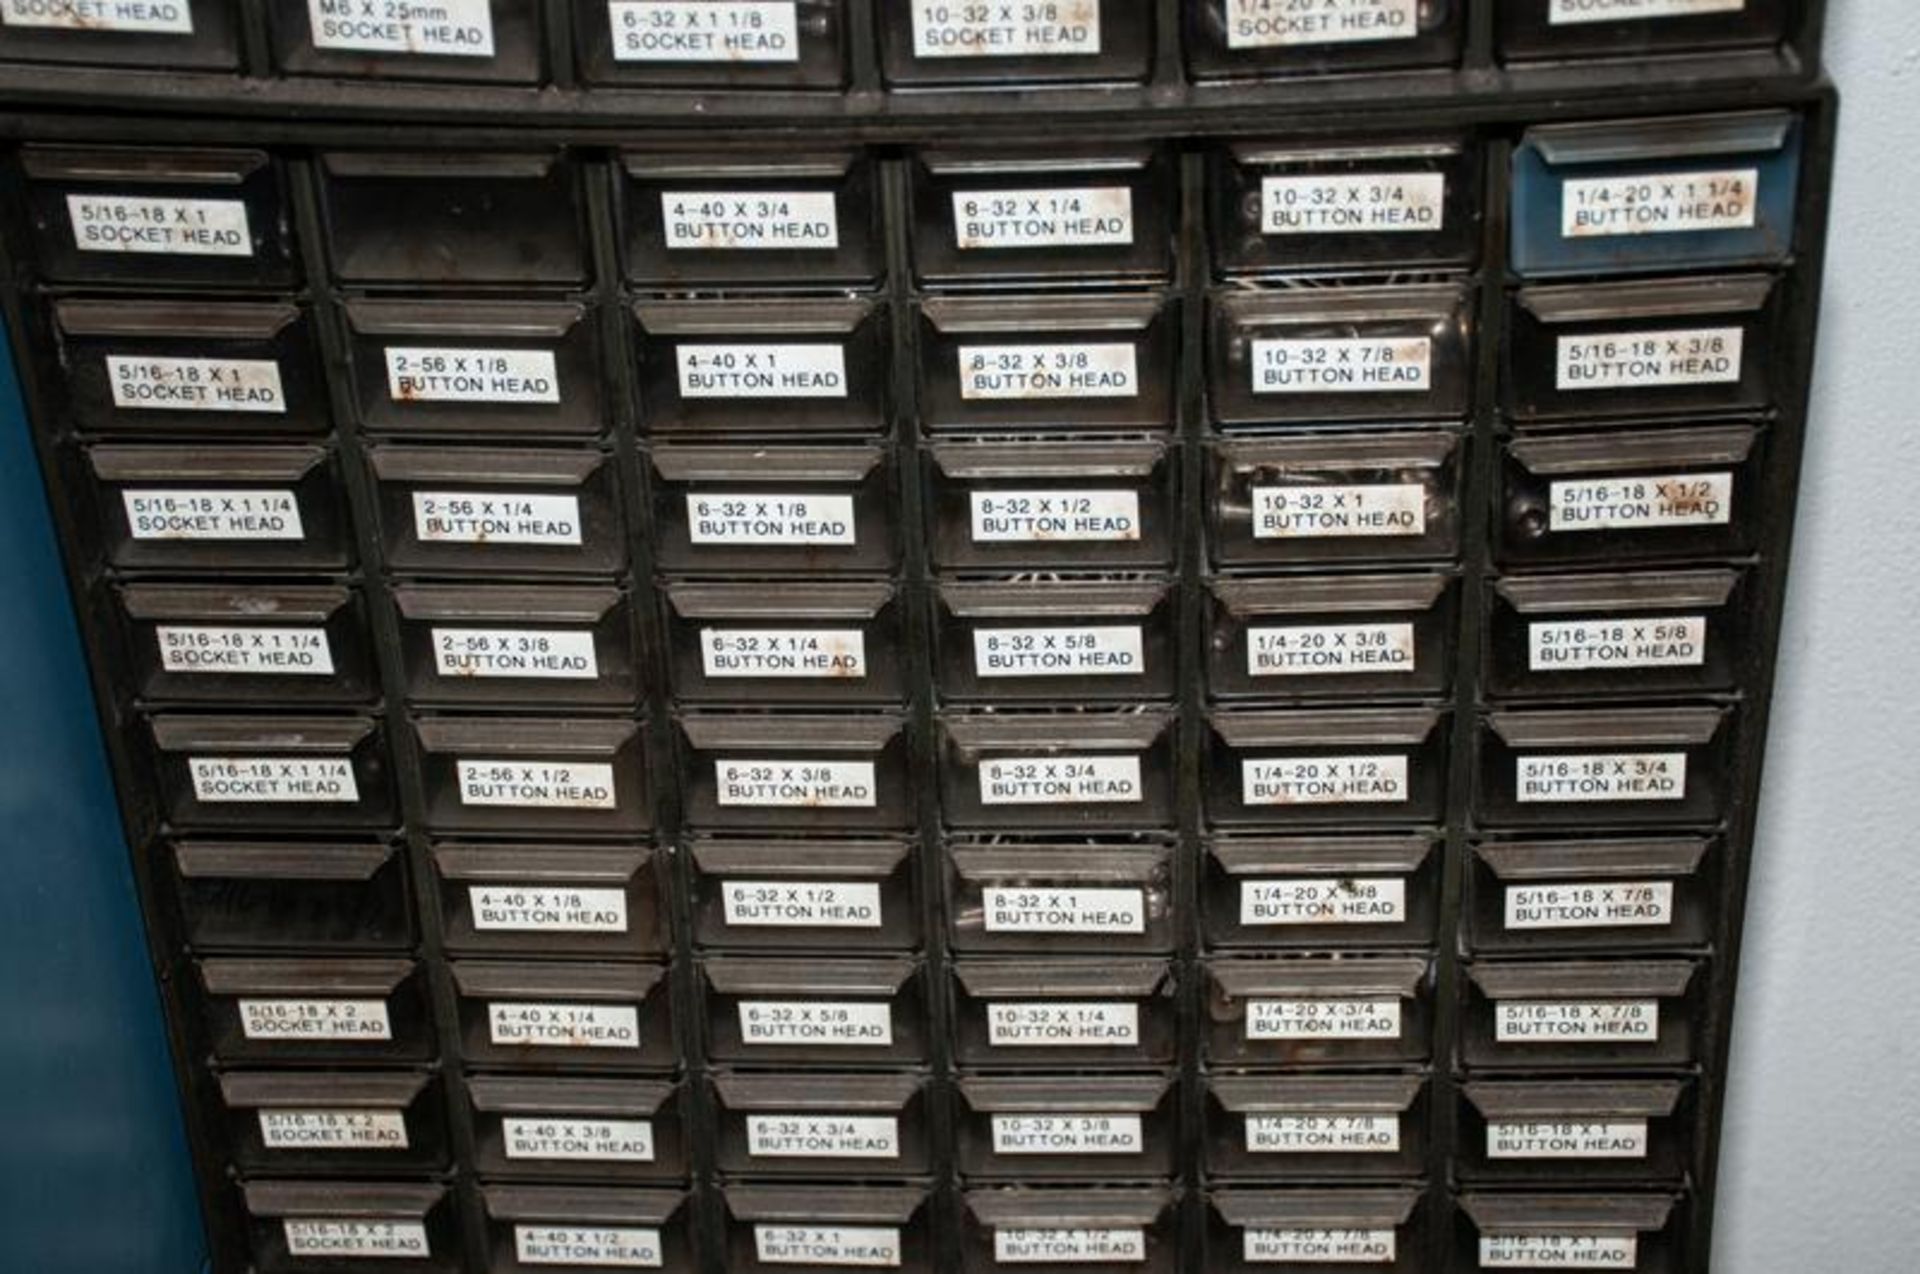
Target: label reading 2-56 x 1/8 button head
{"points": [[471, 517]]}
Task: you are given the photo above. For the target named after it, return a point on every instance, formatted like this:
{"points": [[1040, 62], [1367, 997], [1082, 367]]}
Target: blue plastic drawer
{"points": [[1683, 192]]}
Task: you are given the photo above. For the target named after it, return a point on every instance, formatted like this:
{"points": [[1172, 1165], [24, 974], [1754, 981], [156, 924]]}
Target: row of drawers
{"points": [[766, 1229], [803, 44], [764, 643], [1034, 1013], [1047, 897], [1007, 1127], [1280, 501], [1599, 767], [1682, 193], [1079, 363]]}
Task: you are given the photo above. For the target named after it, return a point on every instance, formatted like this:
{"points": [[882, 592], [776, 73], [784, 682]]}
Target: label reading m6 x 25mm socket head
{"points": [[414, 28]]}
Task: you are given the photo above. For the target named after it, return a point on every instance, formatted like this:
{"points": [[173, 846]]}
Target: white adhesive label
{"points": [[1108, 651], [202, 513], [1330, 512], [796, 784], [533, 653], [1036, 1245], [574, 1139], [419, 375], [139, 383], [537, 908], [1580, 645], [1377, 1019], [1353, 203], [344, 1129], [303, 1020], [1568, 1139], [1064, 909], [762, 371], [1293, 1246], [547, 1025], [1323, 1134], [838, 654], [1659, 203], [1640, 502], [750, 220], [744, 31], [1329, 650], [333, 1240], [863, 1245], [1285, 24], [1324, 780], [1606, 904], [1324, 900], [1063, 1024], [540, 785], [1649, 360], [477, 517], [164, 226], [1047, 517], [823, 1136], [1559, 1251], [801, 904], [995, 373], [588, 1247], [273, 780], [420, 28], [1343, 365], [1611, 776], [1067, 1135], [1030, 28], [1563, 13], [1061, 780], [1576, 1021], [817, 1023], [1074, 217], [271, 652], [785, 520], [143, 17]]}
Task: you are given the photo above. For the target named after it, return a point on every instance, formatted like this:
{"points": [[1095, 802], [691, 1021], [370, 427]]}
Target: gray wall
{"points": [[1821, 1165]]}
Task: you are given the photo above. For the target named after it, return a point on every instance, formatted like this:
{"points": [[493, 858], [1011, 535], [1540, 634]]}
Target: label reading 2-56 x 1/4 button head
{"points": [[468, 517]]}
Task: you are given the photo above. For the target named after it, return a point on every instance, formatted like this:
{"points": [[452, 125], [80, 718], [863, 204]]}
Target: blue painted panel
{"points": [[94, 1173]]}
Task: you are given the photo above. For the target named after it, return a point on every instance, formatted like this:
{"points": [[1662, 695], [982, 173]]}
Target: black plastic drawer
{"points": [[533, 775], [316, 1010], [1366, 766], [1060, 1013], [1524, 897], [1066, 1127], [864, 1125], [606, 901], [290, 895], [821, 1012], [561, 1128], [525, 367], [339, 1226], [1306, 1127], [1583, 1014], [748, 509], [792, 772], [479, 41], [1523, 1132], [160, 367], [1320, 891], [1604, 767], [532, 1229], [1296, 637], [182, 34], [292, 772], [571, 1016], [764, 44], [1059, 897], [462, 510], [454, 218], [541, 646], [770, 1229], [1636, 1231], [814, 895], [232, 643], [1306, 1011], [776, 642], [752, 366], [1549, 30], [1247, 38], [1364, 205], [1306, 1231], [111, 215], [1066, 640], [1057, 770], [335, 1121], [220, 508], [926, 43], [1103, 1230], [1060, 214], [1077, 503], [758, 220]]}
